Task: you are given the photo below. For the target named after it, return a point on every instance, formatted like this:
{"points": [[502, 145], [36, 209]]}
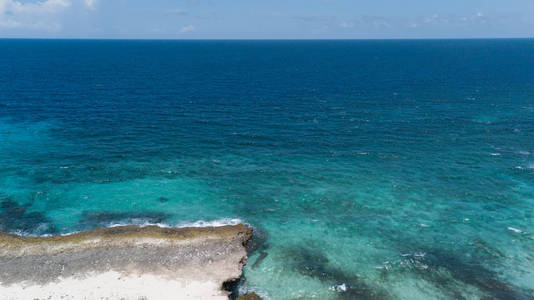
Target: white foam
{"points": [[419, 254], [339, 288], [522, 152], [514, 229], [495, 154], [43, 227], [214, 223], [200, 223], [415, 254], [140, 224], [144, 223]]}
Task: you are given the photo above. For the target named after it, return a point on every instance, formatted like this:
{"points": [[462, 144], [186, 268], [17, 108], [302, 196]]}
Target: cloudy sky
{"points": [[245, 19]]}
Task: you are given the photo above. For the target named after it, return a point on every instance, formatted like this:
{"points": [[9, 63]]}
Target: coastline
{"points": [[124, 262]]}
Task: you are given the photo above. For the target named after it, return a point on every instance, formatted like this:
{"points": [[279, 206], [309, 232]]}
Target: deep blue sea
{"points": [[399, 169]]}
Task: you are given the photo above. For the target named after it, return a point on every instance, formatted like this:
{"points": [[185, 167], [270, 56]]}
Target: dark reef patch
{"points": [[102, 219], [258, 242], [448, 272], [163, 199], [313, 263], [15, 217], [260, 258], [470, 273]]}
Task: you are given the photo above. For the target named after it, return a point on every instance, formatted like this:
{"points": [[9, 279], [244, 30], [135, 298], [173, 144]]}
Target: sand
{"points": [[127, 262]]}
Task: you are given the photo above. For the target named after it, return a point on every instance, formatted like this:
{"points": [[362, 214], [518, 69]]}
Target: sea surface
{"points": [[400, 169]]}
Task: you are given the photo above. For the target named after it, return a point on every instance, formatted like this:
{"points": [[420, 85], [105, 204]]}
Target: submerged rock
{"points": [[126, 262], [251, 296], [14, 216]]}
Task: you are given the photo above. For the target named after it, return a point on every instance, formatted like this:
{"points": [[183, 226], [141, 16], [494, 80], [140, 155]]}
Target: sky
{"points": [[274, 19]]}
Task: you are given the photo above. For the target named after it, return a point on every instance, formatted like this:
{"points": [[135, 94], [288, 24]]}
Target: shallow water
{"points": [[370, 169]]}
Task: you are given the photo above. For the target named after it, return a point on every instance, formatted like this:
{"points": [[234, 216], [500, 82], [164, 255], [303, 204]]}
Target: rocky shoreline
{"points": [[125, 262]]}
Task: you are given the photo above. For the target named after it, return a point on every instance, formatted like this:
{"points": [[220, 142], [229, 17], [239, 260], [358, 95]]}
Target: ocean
{"points": [[369, 169]]}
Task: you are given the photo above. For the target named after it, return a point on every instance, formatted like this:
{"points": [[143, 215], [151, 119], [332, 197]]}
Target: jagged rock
{"points": [[251, 296]]}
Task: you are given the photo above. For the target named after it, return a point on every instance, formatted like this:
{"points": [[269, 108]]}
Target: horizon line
{"points": [[263, 39]]}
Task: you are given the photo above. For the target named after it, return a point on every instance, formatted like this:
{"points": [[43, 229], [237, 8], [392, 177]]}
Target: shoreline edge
{"points": [[125, 262]]}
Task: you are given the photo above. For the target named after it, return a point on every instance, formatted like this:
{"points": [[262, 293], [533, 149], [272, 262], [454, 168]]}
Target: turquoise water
{"points": [[369, 169]]}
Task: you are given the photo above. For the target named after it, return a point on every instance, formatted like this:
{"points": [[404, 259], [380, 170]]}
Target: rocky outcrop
{"points": [[251, 296], [126, 262]]}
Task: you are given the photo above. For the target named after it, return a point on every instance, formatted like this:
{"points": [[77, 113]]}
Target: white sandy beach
{"points": [[114, 285]]}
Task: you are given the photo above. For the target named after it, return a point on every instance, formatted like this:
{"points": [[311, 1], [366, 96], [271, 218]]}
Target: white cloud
{"points": [[91, 4], [33, 15], [346, 24], [454, 21], [188, 28], [176, 11]]}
